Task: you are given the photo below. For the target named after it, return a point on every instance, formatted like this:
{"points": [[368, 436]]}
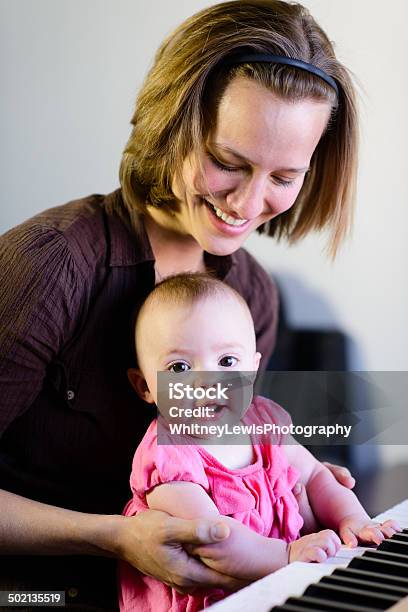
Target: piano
{"points": [[356, 580]]}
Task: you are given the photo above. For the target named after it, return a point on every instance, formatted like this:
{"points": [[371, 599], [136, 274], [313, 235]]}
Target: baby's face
{"points": [[214, 334]]}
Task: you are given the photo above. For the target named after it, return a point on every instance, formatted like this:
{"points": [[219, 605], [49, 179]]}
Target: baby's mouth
{"points": [[223, 215]]}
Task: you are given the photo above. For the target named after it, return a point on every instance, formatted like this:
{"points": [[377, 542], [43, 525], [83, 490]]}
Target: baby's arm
{"points": [[244, 554], [335, 506]]}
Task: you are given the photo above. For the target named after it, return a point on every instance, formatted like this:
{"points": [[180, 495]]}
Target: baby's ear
{"points": [[257, 359], [138, 382]]}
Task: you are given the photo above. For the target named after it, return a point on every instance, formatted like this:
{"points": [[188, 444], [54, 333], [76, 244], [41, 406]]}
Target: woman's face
{"points": [[254, 162]]}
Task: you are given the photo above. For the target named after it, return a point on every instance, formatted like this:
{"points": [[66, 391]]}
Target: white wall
{"points": [[69, 74]]}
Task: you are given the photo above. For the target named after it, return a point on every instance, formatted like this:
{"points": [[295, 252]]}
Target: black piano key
{"points": [[387, 556], [379, 565], [315, 603], [364, 585], [400, 536], [301, 608], [377, 578], [395, 546], [351, 596], [293, 608]]}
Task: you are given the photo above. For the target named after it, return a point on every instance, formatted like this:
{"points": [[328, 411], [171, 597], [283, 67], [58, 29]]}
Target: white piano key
{"points": [[289, 581], [273, 589], [347, 553], [398, 513]]}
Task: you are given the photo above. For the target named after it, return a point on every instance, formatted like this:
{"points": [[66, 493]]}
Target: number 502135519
{"points": [[33, 598]]}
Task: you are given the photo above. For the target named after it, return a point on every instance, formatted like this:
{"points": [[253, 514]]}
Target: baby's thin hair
{"points": [[191, 287], [186, 288]]}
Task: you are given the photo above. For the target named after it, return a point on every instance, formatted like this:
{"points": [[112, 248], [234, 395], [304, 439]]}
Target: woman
{"points": [[230, 136]]}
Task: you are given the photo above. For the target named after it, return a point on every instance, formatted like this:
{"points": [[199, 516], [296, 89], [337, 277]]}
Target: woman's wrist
{"points": [[100, 534]]}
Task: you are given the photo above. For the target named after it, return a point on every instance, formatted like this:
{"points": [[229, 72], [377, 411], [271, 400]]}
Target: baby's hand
{"points": [[315, 547], [355, 528]]}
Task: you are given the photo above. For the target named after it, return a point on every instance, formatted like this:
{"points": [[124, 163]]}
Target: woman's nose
{"points": [[247, 200]]}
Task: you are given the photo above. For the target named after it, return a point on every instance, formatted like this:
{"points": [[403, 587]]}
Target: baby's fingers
{"points": [[327, 542], [348, 537], [371, 533], [390, 527], [332, 544], [315, 554]]}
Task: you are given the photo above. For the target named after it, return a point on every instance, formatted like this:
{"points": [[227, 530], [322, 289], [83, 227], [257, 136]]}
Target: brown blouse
{"points": [[69, 281]]}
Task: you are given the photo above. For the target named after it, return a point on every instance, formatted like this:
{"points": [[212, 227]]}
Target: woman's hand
{"points": [[154, 543], [355, 528], [341, 474], [245, 554], [315, 547], [310, 524]]}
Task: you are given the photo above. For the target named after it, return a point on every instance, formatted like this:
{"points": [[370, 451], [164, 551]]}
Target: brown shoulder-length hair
{"points": [[172, 116]]}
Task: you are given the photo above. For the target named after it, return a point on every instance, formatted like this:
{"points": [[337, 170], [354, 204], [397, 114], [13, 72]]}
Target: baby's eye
{"points": [[178, 367], [228, 361]]}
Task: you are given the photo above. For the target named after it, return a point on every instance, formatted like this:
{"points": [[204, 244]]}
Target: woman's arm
{"points": [[33, 528], [153, 542], [42, 299]]}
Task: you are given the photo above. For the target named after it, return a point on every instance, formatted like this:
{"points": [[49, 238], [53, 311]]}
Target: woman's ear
{"points": [[138, 382], [257, 359]]}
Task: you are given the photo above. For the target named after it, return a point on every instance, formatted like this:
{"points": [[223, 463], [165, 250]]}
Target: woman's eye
{"points": [[228, 361], [222, 166], [283, 182], [179, 367]]}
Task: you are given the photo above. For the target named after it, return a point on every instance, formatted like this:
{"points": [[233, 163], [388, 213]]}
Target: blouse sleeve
{"points": [[40, 289], [156, 464], [261, 295], [265, 313]]}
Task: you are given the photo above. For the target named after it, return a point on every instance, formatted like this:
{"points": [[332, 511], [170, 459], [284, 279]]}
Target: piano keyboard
{"points": [[341, 580]]}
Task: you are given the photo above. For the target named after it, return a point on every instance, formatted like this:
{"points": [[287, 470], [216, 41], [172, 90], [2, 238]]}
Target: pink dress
{"points": [[258, 495]]}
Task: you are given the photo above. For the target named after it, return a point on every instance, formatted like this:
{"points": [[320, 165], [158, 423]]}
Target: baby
{"points": [[194, 322]]}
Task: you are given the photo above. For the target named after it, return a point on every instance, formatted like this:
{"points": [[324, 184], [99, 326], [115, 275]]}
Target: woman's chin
{"points": [[221, 247]]}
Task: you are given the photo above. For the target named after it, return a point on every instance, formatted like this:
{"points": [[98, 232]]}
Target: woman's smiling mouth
{"points": [[233, 221]]}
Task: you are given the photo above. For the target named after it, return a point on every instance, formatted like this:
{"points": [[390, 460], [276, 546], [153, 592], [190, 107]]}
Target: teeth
{"points": [[226, 218]]}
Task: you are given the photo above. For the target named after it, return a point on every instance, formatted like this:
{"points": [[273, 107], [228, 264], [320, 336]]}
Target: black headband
{"points": [[242, 58]]}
